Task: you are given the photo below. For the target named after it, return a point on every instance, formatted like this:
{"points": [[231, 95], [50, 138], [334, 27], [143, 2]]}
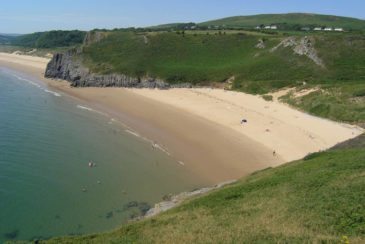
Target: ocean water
{"points": [[47, 189]]}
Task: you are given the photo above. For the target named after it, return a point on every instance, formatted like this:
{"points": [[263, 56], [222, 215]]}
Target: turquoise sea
{"points": [[47, 188]]}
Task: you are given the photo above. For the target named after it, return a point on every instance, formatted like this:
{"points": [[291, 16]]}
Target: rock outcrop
{"points": [[304, 46], [178, 199], [94, 37], [66, 66], [260, 44]]}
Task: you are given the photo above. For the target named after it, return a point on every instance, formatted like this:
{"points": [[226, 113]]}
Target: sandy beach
{"points": [[201, 128]]}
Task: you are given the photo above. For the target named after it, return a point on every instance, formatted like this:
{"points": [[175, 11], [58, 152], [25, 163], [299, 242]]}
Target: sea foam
{"points": [[85, 108], [56, 94]]}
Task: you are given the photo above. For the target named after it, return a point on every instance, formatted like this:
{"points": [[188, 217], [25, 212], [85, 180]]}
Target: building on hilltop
{"points": [[328, 29], [338, 29], [317, 28]]}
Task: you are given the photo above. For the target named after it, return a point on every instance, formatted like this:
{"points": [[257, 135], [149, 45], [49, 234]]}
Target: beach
{"points": [[202, 127]]}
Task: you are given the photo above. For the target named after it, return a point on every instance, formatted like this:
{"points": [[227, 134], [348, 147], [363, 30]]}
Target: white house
{"points": [[328, 29], [338, 29], [273, 27], [258, 27], [268, 27], [317, 28]]}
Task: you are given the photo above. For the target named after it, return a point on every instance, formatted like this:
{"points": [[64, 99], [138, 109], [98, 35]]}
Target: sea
{"points": [[67, 169]]}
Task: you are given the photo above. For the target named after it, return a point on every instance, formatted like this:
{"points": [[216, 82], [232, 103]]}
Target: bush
{"points": [[359, 93], [267, 97]]}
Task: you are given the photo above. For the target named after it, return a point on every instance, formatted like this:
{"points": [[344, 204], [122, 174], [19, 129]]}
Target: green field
{"points": [[289, 21], [319, 199]]}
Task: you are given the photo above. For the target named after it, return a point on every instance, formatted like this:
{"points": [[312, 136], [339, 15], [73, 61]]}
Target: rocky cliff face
{"points": [[65, 66], [303, 46]]}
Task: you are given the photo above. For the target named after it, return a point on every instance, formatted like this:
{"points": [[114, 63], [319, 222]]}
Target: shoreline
{"points": [[200, 127]]}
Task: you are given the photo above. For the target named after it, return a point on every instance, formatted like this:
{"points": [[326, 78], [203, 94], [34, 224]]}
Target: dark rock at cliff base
{"points": [[66, 67]]}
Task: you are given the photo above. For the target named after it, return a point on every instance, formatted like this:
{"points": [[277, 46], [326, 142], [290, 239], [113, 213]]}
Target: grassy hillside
{"points": [[202, 58], [49, 39], [343, 101], [289, 20], [6, 39], [319, 199], [175, 26], [173, 57]]}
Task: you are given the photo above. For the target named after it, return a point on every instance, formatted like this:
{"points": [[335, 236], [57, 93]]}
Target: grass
{"points": [[198, 59], [315, 200], [343, 101], [289, 20], [49, 39], [267, 97], [201, 58]]}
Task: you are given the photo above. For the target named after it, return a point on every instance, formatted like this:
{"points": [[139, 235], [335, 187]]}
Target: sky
{"points": [[27, 16]]}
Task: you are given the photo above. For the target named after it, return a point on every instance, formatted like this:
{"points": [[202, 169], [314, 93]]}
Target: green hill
{"points": [[49, 39], [175, 26], [199, 58], [319, 199], [290, 19], [6, 39]]}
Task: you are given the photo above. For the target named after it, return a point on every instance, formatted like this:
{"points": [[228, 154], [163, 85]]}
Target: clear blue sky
{"points": [[25, 16]]}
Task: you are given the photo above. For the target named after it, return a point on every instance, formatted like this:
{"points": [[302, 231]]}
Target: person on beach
{"points": [[243, 121], [274, 153]]}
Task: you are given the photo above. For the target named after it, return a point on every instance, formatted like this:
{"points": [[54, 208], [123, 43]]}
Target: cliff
{"points": [[65, 66]]}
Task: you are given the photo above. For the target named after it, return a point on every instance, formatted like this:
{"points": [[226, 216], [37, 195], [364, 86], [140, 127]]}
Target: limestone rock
{"points": [[66, 66]]}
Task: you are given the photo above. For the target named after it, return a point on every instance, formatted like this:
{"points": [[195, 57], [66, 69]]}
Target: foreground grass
{"points": [[319, 199]]}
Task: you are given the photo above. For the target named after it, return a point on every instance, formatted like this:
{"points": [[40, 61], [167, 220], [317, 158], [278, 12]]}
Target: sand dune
{"points": [[202, 129], [30, 61]]}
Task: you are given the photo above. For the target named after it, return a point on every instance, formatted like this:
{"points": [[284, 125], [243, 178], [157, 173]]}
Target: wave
{"points": [[153, 144], [133, 133], [56, 94], [52, 92], [28, 81], [85, 108], [161, 148]]}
